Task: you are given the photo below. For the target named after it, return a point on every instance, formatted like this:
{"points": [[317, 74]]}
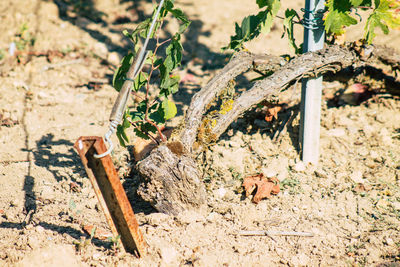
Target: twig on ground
{"points": [[278, 233], [62, 64]]}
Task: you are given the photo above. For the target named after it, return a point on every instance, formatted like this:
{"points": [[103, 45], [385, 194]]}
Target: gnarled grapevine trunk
{"points": [[172, 179]]}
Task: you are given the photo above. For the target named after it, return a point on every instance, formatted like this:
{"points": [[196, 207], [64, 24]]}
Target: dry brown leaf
{"points": [[272, 110], [272, 113], [99, 232], [262, 186]]}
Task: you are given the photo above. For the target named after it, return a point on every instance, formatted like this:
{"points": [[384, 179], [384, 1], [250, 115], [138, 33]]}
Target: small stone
{"points": [[220, 193], [320, 174], [113, 58], [15, 203], [385, 136], [269, 173], [300, 260], [47, 193], [82, 22], [96, 256], [33, 242], [39, 229], [357, 177], [382, 203], [338, 132], [229, 196], [374, 155], [101, 50], [213, 217], [295, 209], [299, 166], [189, 216], [396, 205], [234, 144], [168, 254], [156, 219], [42, 95], [390, 241]]}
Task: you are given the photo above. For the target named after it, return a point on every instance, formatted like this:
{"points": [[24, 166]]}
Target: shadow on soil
{"points": [[60, 230], [44, 156], [199, 54]]}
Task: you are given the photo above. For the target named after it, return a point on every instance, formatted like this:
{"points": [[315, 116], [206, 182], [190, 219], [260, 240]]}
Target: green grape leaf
{"points": [[136, 116], [122, 136], [174, 53], [174, 84], [253, 25], [267, 16], [147, 127], [288, 24], [249, 26], [178, 14], [140, 134], [140, 30], [338, 16], [169, 109], [269, 3], [158, 115], [120, 73], [249, 29], [140, 81], [384, 16], [141, 107], [357, 3]]}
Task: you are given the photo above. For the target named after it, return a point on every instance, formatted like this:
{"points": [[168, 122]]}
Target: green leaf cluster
{"points": [[338, 16], [288, 25], [147, 116], [252, 26], [383, 15]]}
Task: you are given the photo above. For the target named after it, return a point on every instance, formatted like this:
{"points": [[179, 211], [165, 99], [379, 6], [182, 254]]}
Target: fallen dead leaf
{"points": [[100, 233], [262, 186], [272, 112]]}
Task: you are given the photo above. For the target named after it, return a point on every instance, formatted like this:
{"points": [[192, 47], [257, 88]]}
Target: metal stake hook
{"points": [[120, 104]]}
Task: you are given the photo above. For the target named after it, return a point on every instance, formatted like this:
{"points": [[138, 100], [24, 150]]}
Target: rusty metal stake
{"points": [[110, 193]]}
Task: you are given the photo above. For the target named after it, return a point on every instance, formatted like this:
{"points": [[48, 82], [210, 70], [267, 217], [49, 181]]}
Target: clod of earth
{"points": [[8, 122], [262, 187]]}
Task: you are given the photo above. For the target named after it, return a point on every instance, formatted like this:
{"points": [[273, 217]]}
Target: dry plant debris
{"points": [[98, 233], [262, 187], [8, 122]]}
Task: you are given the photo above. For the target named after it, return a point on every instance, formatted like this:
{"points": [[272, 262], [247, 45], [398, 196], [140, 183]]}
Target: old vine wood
{"points": [[172, 181]]}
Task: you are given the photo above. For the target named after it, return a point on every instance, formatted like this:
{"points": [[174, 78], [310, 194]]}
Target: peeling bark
{"points": [[172, 182]]}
